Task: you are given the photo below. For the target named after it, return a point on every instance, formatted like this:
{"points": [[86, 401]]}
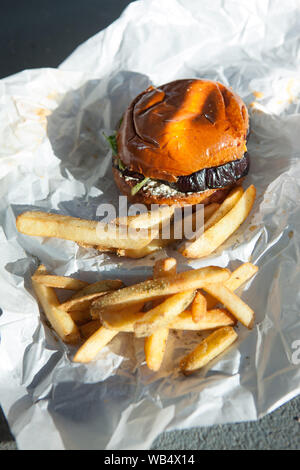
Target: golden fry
{"points": [[226, 206], [147, 219], [210, 209], [155, 245], [80, 316], [83, 298], [94, 344], [160, 243], [59, 282], [238, 277], [154, 347], [165, 267], [87, 232], [61, 321], [152, 289], [123, 319], [216, 343], [199, 307], [239, 309], [164, 239], [211, 319], [161, 315], [155, 344], [216, 235], [89, 328]]}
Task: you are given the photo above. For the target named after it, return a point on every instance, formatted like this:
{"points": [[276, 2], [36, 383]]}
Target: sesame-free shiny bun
{"points": [[182, 127], [182, 143]]}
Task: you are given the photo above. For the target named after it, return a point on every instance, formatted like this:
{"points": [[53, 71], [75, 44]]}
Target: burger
{"points": [[182, 143]]}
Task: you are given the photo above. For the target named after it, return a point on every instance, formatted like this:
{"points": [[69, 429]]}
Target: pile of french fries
{"points": [[202, 300], [196, 300], [141, 235]]}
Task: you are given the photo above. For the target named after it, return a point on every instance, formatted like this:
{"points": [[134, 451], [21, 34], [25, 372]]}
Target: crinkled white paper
{"points": [[54, 157]]}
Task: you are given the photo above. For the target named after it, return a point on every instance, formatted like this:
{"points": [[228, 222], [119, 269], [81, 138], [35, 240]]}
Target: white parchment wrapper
{"points": [[54, 158]]}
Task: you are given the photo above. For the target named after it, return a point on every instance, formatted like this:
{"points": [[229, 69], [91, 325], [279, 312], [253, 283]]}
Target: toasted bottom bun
{"points": [[162, 194]]}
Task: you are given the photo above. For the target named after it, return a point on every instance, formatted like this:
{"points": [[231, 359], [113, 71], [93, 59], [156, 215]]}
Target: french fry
{"points": [[97, 287], [163, 314], [216, 235], [211, 319], [83, 298], [80, 316], [155, 245], [59, 282], [61, 321], [147, 219], [154, 347], [210, 209], [97, 339], [165, 213], [165, 239], [226, 206], [186, 222], [209, 348], [123, 319], [94, 344], [160, 243], [104, 249], [155, 344], [239, 309], [165, 267], [89, 328], [88, 232], [152, 289], [238, 277], [199, 307], [82, 304]]}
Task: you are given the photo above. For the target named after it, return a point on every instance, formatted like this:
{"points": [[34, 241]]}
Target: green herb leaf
{"points": [[112, 140], [138, 186], [121, 165]]}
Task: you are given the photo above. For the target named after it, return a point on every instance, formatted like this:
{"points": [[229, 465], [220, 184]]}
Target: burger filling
{"points": [[208, 178]]}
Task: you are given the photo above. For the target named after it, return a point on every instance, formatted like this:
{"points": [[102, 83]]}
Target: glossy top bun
{"points": [[182, 127]]}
